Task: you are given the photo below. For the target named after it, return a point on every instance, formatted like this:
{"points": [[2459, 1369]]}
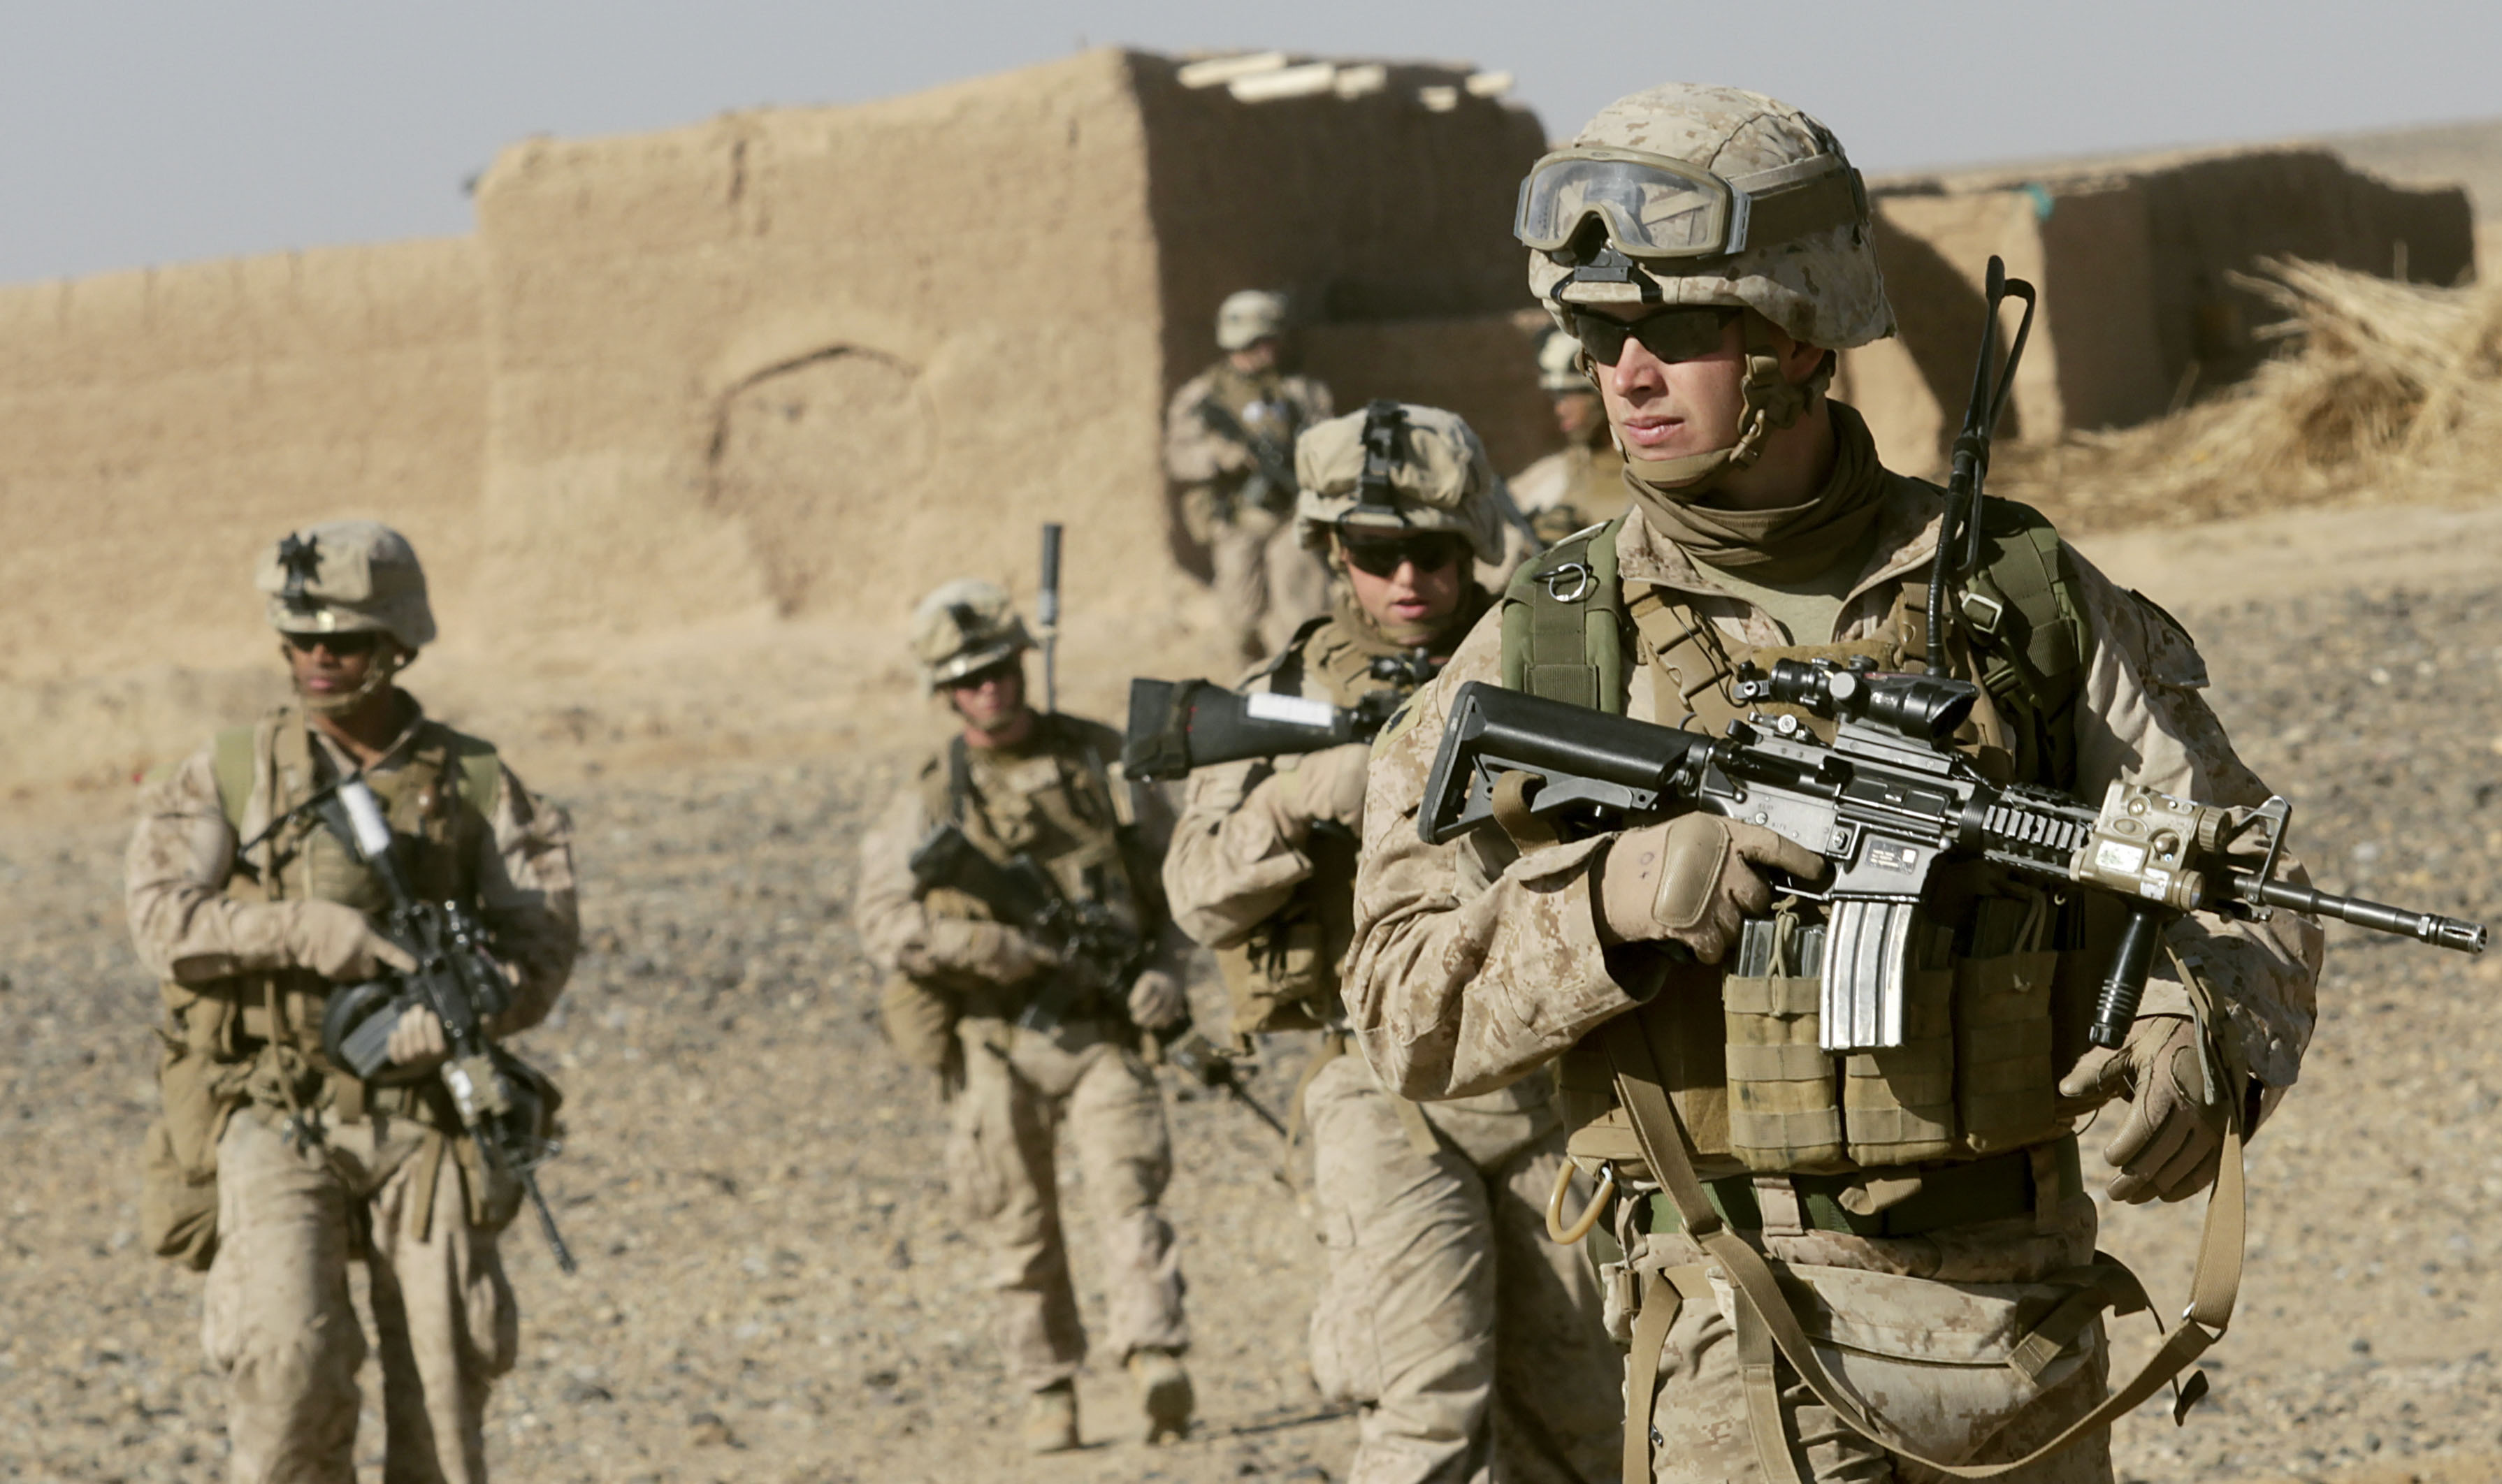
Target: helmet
{"points": [[964, 625], [1249, 317], [1559, 365], [1400, 467], [344, 577], [1694, 194]]}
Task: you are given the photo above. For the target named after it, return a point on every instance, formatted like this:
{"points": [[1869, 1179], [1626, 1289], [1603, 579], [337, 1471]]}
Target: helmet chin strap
{"points": [[388, 661], [1769, 402]]}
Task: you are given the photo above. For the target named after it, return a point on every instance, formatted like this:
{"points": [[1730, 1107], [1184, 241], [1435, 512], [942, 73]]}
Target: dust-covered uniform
{"points": [[1053, 799], [385, 1173], [1478, 965], [1267, 583], [1471, 1344]]}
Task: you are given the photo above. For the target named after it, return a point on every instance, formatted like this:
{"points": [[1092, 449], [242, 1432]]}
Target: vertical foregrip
{"points": [[2115, 1006]]}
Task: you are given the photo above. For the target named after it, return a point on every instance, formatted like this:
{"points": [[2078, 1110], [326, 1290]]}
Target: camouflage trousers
{"points": [[1020, 1089], [1926, 1325], [1267, 583], [1471, 1345], [279, 1325]]}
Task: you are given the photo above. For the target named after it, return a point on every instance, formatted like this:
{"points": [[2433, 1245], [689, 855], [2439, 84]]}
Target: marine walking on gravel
{"points": [[1030, 1036], [1918, 1192], [1230, 450], [1471, 1345], [274, 1165]]}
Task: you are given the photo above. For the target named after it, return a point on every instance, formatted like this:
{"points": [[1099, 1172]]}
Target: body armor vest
{"points": [[1996, 990], [1053, 801]]}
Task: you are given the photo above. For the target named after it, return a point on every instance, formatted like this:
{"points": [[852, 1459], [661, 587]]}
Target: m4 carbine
{"points": [[1273, 466], [1100, 955], [505, 1105], [1884, 802], [1176, 725]]}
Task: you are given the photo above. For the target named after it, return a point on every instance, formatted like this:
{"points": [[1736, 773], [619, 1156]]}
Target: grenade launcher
{"points": [[1884, 803]]}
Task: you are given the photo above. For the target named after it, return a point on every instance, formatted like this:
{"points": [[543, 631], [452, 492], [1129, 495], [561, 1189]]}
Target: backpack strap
{"points": [[232, 767], [2023, 613], [1563, 623]]}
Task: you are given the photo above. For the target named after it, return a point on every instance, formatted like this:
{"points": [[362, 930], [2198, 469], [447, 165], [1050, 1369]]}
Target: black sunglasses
{"points": [[974, 680], [1430, 552], [1686, 332], [341, 646]]}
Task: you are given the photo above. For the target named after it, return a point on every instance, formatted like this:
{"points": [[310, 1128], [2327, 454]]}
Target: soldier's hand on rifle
{"points": [[1322, 786], [417, 1038], [2169, 1147], [993, 951], [335, 941], [1693, 881], [1157, 1000]]}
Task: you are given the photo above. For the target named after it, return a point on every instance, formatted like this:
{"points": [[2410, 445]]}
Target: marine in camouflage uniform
{"points": [[1923, 1205], [1020, 782], [1267, 583], [271, 1166], [1583, 481], [1470, 1344]]}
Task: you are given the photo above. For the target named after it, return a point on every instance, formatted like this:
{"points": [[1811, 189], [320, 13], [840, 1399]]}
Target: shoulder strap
{"points": [[2024, 614], [232, 767], [481, 771], [960, 780], [1563, 617]]}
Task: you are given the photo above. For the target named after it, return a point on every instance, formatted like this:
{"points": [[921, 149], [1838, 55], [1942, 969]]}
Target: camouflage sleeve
{"points": [[1195, 454], [2142, 721], [174, 877], [1319, 405], [526, 897], [902, 935], [1472, 967], [1229, 869]]}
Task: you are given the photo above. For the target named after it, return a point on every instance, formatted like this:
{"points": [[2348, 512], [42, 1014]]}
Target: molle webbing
{"points": [[1563, 617], [482, 775]]}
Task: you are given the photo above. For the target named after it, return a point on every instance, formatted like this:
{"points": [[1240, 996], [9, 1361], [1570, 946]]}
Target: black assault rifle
{"points": [[506, 1106], [1176, 725], [1884, 803], [1100, 954], [1273, 466]]}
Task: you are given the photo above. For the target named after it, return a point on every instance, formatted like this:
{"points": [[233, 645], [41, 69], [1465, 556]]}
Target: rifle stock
{"points": [[1177, 725]]}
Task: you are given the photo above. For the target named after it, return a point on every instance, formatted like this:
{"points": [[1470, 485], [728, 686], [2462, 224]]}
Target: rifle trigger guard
{"points": [[1584, 581], [1557, 1232]]}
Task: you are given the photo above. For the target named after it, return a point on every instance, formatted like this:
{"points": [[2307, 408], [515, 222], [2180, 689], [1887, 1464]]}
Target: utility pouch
{"points": [[2005, 1087], [1275, 978], [1784, 1108], [1899, 1103], [199, 1092], [920, 1021]]}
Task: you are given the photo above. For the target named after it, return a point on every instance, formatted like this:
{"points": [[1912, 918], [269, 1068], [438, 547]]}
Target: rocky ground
{"points": [[770, 1290]]}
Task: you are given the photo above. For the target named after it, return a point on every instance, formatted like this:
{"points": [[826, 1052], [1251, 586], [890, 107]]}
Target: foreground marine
{"points": [[275, 1167], [965, 997], [1467, 1341], [1710, 251]]}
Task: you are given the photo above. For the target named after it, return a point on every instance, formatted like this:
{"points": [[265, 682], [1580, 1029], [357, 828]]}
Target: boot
{"points": [[1051, 1419], [1163, 1394]]}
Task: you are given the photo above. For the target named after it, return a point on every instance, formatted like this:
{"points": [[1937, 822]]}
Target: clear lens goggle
{"points": [[1655, 207]]}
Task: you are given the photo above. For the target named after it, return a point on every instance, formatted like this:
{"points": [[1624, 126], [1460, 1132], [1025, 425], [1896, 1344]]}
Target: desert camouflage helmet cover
{"points": [[1559, 365], [344, 577], [1429, 473], [1822, 286], [1248, 317], [964, 625]]}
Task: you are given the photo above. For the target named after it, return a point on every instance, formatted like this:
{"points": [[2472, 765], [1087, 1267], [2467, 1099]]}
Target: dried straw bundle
{"points": [[2386, 391]]}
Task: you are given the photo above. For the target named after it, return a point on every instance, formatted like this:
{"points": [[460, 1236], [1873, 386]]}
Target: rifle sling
{"points": [[1664, 1147]]}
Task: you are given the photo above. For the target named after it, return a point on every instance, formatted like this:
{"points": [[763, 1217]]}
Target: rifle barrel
{"points": [[2452, 933]]}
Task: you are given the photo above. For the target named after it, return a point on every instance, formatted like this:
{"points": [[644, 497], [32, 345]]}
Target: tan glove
{"points": [[992, 951], [1327, 785], [2169, 1147], [335, 941], [417, 1038], [1157, 1000], [1693, 880]]}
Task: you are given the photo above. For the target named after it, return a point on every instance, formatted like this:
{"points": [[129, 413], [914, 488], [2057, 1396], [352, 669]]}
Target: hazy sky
{"points": [[144, 133]]}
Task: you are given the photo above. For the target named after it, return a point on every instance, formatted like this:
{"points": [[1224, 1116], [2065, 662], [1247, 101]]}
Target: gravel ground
{"points": [[770, 1290]]}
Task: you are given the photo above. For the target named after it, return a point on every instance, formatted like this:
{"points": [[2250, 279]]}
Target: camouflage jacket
{"points": [[192, 928], [1049, 798], [1276, 405], [1569, 489], [1475, 964]]}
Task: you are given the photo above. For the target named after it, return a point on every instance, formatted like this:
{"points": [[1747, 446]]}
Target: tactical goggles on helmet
{"points": [[1680, 332], [1382, 555], [1655, 207]]}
